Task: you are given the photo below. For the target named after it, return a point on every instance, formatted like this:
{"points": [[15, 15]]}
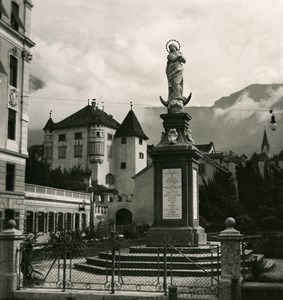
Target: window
{"points": [[141, 155], [60, 221], [10, 177], [77, 221], [83, 221], [13, 71], [78, 135], [62, 137], [123, 140], [11, 124], [78, 150], [123, 165], [96, 148], [15, 19], [140, 141], [109, 136], [51, 219], [40, 221], [110, 151], [48, 152], [69, 221], [29, 222], [62, 151], [202, 169], [99, 133], [109, 179]]}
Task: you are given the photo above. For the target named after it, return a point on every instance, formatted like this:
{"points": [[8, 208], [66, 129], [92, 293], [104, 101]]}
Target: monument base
{"points": [[176, 236]]}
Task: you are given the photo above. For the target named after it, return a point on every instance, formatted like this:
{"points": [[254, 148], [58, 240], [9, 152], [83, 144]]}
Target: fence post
{"points": [[230, 239], [10, 241], [113, 246], [173, 292]]}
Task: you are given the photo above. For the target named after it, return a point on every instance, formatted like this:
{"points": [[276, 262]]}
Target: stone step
{"points": [[206, 249], [176, 257], [144, 272], [186, 265]]}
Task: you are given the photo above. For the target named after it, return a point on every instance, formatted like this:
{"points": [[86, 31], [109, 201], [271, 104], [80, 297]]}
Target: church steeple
{"points": [[265, 146]]}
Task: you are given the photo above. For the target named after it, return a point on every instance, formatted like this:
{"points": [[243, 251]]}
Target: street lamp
{"points": [[273, 124]]}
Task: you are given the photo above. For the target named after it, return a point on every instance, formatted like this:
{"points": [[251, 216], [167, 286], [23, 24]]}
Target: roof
{"points": [[131, 127], [206, 147], [215, 163], [49, 124], [85, 117], [265, 143]]}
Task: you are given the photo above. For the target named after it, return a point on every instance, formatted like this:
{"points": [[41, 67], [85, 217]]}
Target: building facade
{"points": [[15, 56], [113, 153]]}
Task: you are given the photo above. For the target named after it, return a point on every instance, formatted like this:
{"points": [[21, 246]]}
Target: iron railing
{"points": [[111, 266]]}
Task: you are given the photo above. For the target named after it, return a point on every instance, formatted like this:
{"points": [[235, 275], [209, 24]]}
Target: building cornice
{"points": [[13, 153], [17, 35], [22, 194]]}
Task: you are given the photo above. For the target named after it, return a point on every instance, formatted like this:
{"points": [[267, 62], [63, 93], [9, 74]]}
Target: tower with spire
{"points": [[265, 146], [130, 153]]}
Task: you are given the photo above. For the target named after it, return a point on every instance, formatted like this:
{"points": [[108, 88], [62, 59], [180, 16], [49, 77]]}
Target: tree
{"points": [[262, 195], [218, 201]]}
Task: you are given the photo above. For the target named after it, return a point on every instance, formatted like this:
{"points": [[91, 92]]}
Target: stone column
{"points": [[10, 241], [230, 239]]}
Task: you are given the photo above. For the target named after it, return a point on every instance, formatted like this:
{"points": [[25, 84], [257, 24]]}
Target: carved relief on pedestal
{"points": [[172, 136]]}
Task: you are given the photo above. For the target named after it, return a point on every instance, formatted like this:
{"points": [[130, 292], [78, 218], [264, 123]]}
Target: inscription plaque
{"points": [[172, 193]]}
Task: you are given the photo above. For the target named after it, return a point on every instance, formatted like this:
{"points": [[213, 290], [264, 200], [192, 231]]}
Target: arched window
{"points": [[109, 179]]}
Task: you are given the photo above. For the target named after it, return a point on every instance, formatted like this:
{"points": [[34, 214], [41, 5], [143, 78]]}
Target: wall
{"points": [[17, 44], [143, 199]]}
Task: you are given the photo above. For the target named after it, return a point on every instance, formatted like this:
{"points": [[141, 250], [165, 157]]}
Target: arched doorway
{"points": [[124, 217]]}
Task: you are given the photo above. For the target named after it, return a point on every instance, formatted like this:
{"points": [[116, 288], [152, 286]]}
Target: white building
{"points": [[113, 153], [15, 56]]}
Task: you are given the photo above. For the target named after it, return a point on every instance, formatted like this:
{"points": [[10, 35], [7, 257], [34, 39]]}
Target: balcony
{"points": [[44, 192]]}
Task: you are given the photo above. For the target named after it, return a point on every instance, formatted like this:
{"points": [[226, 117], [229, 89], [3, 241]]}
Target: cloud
{"points": [[115, 50]]}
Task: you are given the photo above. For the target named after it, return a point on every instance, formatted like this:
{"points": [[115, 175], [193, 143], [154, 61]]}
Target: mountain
{"points": [[234, 122]]}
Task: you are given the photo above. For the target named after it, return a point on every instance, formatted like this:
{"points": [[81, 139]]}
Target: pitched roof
{"points": [[206, 147], [215, 163], [131, 127], [49, 124], [85, 117], [265, 143]]}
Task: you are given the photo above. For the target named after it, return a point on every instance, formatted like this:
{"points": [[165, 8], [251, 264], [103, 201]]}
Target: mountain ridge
{"points": [[235, 122]]}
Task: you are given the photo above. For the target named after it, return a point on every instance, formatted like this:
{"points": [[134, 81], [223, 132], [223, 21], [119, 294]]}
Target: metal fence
{"points": [[110, 266], [262, 258]]}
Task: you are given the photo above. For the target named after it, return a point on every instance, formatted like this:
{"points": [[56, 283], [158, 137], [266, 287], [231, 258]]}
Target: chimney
{"points": [[93, 103]]}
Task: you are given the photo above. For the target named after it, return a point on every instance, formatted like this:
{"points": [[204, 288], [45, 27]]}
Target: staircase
{"points": [[151, 261]]}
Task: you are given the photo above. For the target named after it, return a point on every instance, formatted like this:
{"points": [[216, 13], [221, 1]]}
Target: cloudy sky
{"points": [[114, 51]]}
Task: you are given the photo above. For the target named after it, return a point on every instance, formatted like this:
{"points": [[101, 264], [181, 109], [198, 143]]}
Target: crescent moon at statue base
{"points": [[176, 105]]}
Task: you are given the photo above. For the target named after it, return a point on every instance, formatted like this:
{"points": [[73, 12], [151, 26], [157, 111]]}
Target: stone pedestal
{"points": [[230, 280], [9, 262], [176, 193]]}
